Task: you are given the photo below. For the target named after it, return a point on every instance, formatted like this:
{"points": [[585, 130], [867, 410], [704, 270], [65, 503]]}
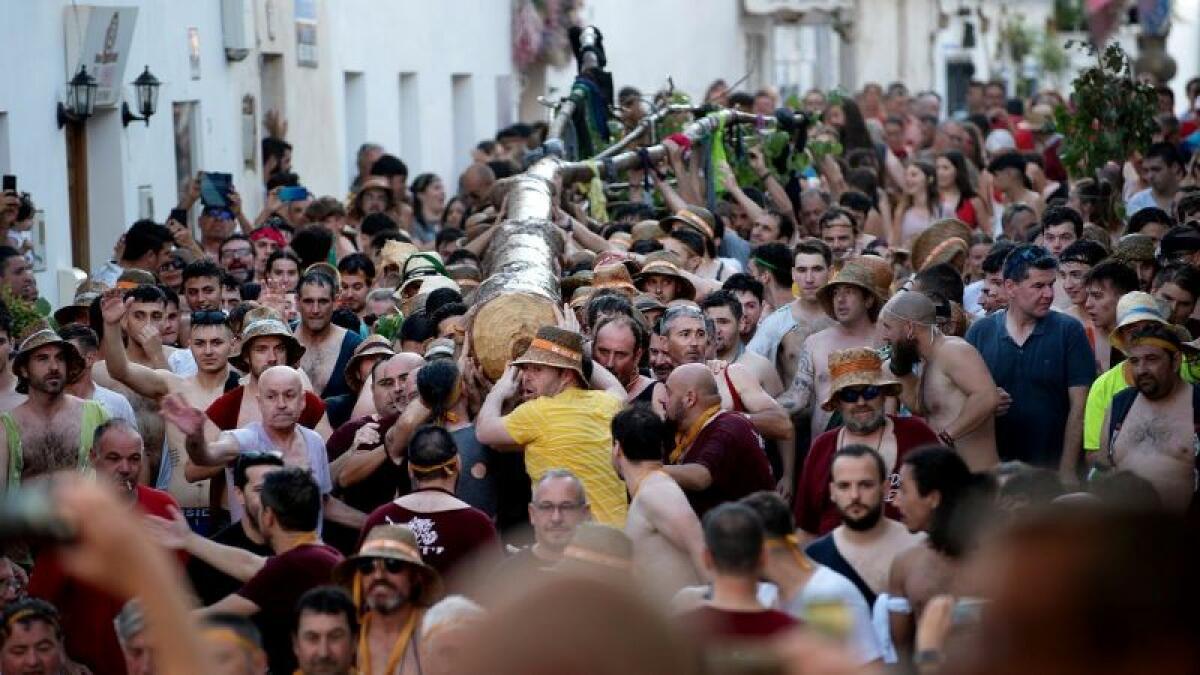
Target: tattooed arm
{"points": [[799, 395]]}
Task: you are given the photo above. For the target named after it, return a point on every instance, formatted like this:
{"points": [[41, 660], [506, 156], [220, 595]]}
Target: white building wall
{"points": [[378, 40]]}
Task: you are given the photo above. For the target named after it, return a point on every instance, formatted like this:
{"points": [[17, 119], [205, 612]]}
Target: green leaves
{"points": [[1113, 115]]}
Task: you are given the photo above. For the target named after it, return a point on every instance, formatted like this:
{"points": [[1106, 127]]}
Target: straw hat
{"points": [[1039, 119], [39, 334], [1135, 247], [555, 347], [373, 345], [647, 229], [597, 549], [644, 302], [856, 367], [266, 328], [77, 311], [581, 279], [418, 266], [690, 220], [373, 183], [395, 253], [610, 257], [393, 542], [615, 276], [1137, 307], [580, 297], [439, 348], [868, 272], [662, 266], [930, 246], [465, 274]]}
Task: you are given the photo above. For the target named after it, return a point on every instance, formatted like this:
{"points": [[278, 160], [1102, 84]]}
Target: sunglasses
{"points": [[366, 566], [172, 264], [209, 317], [852, 394]]}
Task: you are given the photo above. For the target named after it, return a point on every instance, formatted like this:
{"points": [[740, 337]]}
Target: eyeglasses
{"points": [[852, 394], [565, 508], [172, 264], [366, 566], [209, 317]]}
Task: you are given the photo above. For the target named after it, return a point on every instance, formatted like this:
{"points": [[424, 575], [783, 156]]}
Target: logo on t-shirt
{"points": [[426, 534]]}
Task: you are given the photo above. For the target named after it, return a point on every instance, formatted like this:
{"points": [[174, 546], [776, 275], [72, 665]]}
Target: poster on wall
{"points": [[194, 52], [106, 50], [306, 33], [184, 118]]}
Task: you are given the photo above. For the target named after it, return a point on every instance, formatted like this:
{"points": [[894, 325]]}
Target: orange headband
{"points": [[1150, 341], [865, 364], [369, 548], [553, 348], [437, 467]]}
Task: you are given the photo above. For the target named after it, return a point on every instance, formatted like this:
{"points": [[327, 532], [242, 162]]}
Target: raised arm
{"points": [[142, 380], [176, 534], [190, 421], [489, 425], [765, 413]]}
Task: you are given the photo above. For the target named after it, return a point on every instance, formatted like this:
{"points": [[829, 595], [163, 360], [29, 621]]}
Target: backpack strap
{"points": [[1118, 410]]}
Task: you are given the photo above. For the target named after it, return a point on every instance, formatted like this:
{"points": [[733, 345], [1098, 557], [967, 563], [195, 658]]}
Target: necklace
{"points": [[878, 444], [398, 649]]}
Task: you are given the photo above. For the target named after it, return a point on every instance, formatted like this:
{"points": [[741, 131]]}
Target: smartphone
{"points": [[28, 513], [10, 183], [214, 188], [179, 216], [293, 193]]}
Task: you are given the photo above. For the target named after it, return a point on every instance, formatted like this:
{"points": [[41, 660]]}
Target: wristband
{"points": [[764, 176], [928, 657]]}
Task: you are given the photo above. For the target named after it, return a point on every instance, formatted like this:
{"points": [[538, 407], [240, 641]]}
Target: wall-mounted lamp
{"points": [[81, 99], [146, 88]]}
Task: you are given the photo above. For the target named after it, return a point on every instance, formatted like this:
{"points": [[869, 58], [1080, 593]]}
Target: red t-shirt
{"points": [[720, 624], [87, 612], [732, 451], [277, 587], [444, 537], [815, 512], [224, 411]]}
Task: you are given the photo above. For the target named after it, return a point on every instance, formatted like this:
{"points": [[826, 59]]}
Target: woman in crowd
{"points": [[429, 202], [918, 205], [956, 195]]}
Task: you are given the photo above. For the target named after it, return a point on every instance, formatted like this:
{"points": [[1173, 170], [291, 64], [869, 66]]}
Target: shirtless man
{"points": [[853, 300], [668, 542], [211, 342], [51, 430], [9, 397], [1156, 439], [725, 311], [145, 317], [801, 317], [863, 546], [687, 333], [954, 391], [937, 493], [327, 347], [619, 344], [281, 402], [781, 335]]}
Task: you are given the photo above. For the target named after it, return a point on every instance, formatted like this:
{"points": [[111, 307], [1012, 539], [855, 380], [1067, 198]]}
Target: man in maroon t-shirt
{"points": [[733, 539], [87, 612], [448, 530], [718, 456], [291, 509], [858, 393]]}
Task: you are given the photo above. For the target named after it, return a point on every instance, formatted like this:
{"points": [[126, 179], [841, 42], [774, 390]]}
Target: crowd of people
{"points": [[928, 404]]}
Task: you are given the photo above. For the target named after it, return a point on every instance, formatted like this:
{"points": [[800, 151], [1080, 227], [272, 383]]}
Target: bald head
{"points": [[394, 382], [913, 307], [280, 397], [691, 389]]}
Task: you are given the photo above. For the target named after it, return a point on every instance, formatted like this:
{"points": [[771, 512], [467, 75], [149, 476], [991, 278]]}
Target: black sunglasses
{"points": [[367, 565], [852, 394], [209, 317], [172, 264]]}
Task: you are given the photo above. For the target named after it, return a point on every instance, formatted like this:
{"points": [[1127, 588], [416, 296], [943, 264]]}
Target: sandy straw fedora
{"points": [[372, 346], [555, 347], [657, 265], [868, 272], [857, 367], [615, 276], [392, 542], [945, 240], [266, 328], [1137, 307], [39, 335]]}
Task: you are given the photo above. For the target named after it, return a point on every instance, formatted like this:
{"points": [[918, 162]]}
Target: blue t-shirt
{"points": [[1037, 375]]}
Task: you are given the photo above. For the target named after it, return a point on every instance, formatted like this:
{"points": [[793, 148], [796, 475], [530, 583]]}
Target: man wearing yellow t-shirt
{"points": [[1133, 311], [562, 423]]}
